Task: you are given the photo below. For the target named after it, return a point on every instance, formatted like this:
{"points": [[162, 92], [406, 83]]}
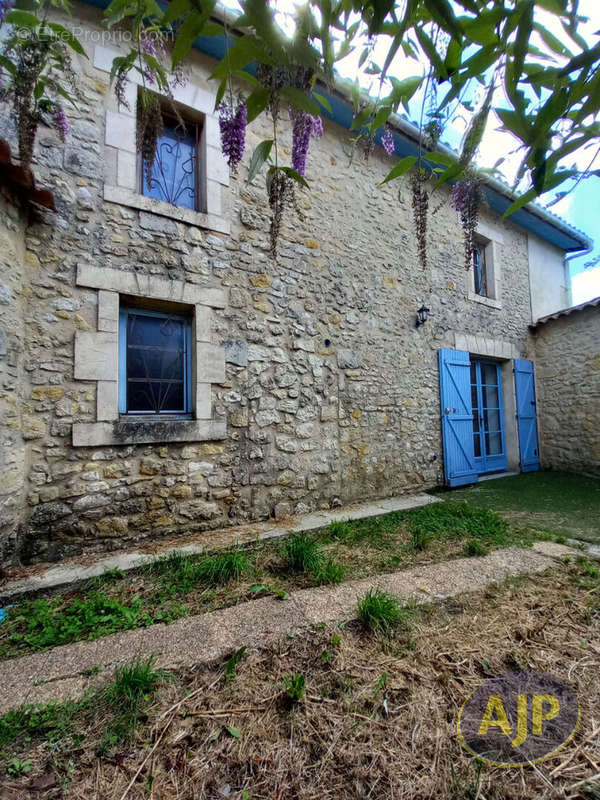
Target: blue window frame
{"points": [[155, 363], [175, 169], [480, 270]]}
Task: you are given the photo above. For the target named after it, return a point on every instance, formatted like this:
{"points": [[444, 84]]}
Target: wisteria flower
{"points": [[387, 142], [233, 132], [303, 127], [60, 121], [5, 7]]}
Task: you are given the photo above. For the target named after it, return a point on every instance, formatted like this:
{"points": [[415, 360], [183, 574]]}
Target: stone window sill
{"points": [[147, 431], [126, 197], [485, 301]]}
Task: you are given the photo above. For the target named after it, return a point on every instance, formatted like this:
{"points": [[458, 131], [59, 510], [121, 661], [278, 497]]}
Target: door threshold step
{"points": [[495, 475]]}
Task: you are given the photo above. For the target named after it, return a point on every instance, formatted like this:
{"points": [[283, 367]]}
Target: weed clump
{"points": [[381, 612]]}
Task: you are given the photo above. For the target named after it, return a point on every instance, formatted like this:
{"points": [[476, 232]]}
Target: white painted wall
{"points": [[548, 278]]}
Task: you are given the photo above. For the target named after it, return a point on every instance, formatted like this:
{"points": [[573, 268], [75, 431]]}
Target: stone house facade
{"points": [[567, 350], [307, 382]]}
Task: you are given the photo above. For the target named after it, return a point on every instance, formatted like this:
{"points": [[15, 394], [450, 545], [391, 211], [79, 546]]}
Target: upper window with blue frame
{"points": [[480, 271], [175, 172], [154, 362]]}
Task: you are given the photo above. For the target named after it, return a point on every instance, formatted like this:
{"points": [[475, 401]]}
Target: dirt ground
{"points": [[377, 720]]}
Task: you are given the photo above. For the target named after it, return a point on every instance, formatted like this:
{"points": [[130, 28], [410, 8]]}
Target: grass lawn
{"points": [[562, 503], [179, 585], [355, 711]]}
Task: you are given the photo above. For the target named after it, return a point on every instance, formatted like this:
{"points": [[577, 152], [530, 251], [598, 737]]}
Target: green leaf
{"points": [[256, 102], [440, 158], [234, 732], [67, 36], [401, 168], [176, 9], [323, 101], [22, 19], [431, 53], [259, 156], [291, 173], [361, 118], [449, 174], [442, 13], [514, 123], [301, 101], [381, 118], [520, 202], [7, 64], [190, 29]]}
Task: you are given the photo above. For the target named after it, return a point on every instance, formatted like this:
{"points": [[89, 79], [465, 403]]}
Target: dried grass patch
{"points": [[356, 733]]}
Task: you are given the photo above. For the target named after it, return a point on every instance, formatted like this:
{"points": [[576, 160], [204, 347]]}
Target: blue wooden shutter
{"points": [[457, 417], [527, 416]]}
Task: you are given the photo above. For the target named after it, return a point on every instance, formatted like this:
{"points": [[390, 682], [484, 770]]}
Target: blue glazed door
{"points": [[488, 416], [457, 417], [527, 416]]}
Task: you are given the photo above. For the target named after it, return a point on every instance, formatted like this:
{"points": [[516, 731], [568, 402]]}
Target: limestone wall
{"points": [[17, 425], [331, 393], [568, 382]]}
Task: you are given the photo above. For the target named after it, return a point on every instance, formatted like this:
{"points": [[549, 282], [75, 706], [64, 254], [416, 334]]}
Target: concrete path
{"points": [[207, 638], [50, 576]]}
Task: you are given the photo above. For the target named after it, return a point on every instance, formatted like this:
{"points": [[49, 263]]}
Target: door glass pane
{"points": [[474, 400], [477, 445], [491, 419], [476, 422], [489, 374], [490, 397], [493, 443], [473, 372]]}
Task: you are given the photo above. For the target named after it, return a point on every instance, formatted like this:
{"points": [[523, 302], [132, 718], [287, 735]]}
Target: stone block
{"points": [[96, 356], [150, 286], [203, 323], [210, 363], [107, 401], [120, 131], [203, 401], [126, 169], [155, 431], [108, 311], [236, 352], [217, 168], [348, 359]]}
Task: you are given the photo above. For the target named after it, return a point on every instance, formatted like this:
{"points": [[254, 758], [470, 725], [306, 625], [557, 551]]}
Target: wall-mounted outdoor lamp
{"points": [[421, 316]]}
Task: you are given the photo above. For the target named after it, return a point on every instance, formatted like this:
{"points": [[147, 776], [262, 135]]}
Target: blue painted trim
{"points": [[457, 424], [529, 447], [214, 46], [499, 461], [187, 372]]}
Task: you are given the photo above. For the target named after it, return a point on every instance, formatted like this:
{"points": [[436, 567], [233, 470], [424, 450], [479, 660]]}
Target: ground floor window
{"points": [[154, 362]]}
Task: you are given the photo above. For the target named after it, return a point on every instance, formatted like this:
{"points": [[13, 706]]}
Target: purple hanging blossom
{"points": [[178, 78], [462, 193], [303, 127], [233, 132], [61, 123], [316, 127], [5, 7], [387, 142]]}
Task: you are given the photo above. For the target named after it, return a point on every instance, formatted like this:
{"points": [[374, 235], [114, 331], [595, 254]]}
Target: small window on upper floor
{"points": [[155, 362], [480, 270], [176, 169]]}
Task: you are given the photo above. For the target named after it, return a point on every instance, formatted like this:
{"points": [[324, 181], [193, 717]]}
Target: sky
{"points": [[581, 208]]}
